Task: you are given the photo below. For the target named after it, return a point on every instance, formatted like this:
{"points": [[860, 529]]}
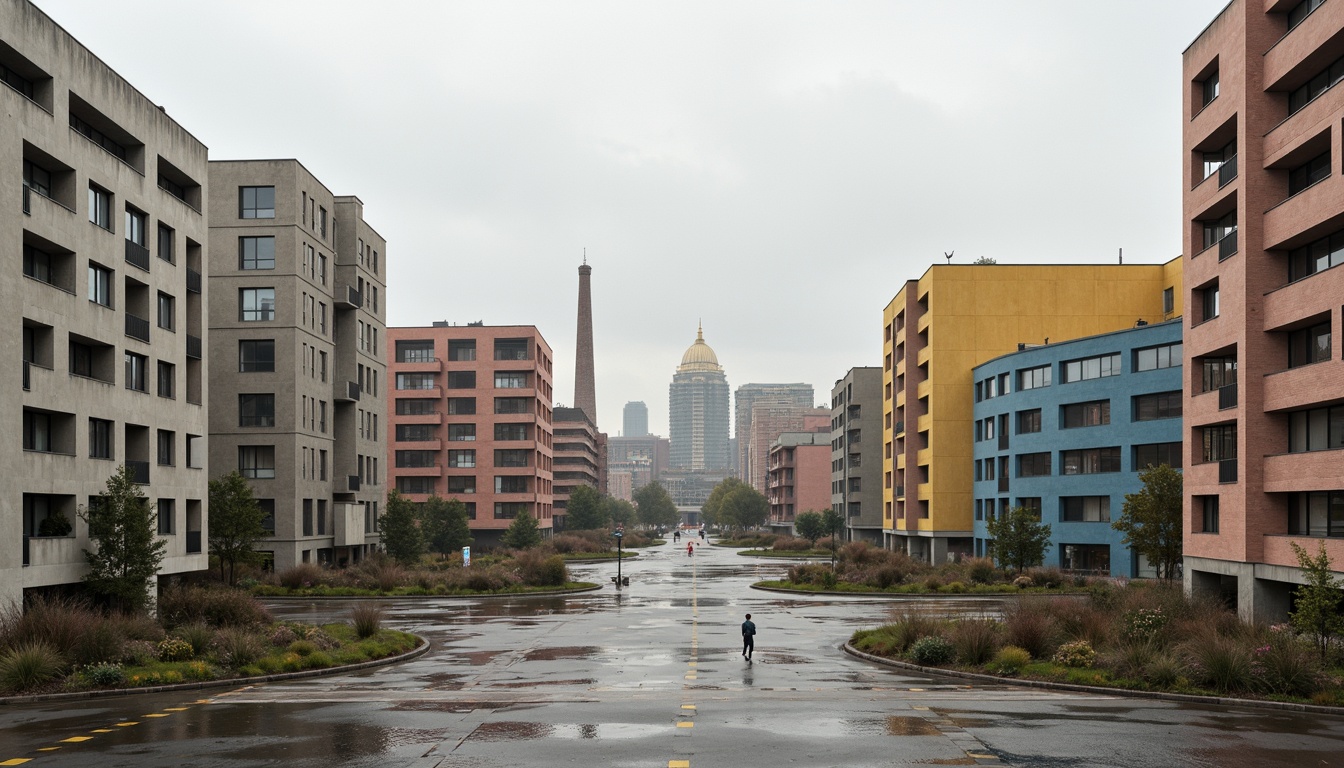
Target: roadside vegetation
{"points": [[62, 644], [1144, 636], [539, 569]]}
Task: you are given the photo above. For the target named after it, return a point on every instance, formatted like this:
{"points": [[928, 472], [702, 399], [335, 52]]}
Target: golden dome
{"points": [[699, 356]]}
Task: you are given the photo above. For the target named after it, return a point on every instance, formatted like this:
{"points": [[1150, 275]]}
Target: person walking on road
{"points": [[748, 638], [690, 548]]}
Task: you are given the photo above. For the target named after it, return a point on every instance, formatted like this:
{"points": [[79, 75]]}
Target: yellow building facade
{"points": [[953, 318]]}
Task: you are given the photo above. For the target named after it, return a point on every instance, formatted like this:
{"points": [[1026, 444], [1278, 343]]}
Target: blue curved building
{"points": [[1065, 428]]}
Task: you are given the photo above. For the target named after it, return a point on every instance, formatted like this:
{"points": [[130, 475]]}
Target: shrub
{"points": [[1050, 578], [56, 622], [235, 647], [1010, 660], [537, 569], [319, 637], [216, 606], [138, 653], [100, 643], [909, 627], [175, 649], [301, 575], [1164, 671], [1220, 663], [1027, 626], [490, 579], [303, 648], [975, 640], [809, 573], [956, 588], [199, 670], [198, 635], [932, 583], [382, 574], [29, 665], [981, 570], [1022, 582], [1078, 653], [1144, 625], [931, 651], [1134, 659], [791, 544], [1287, 667], [890, 575], [1105, 596], [368, 619], [282, 635], [103, 675], [1079, 620]]}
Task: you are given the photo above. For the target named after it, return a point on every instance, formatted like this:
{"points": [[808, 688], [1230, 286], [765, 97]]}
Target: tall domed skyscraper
{"points": [[698, 411]]}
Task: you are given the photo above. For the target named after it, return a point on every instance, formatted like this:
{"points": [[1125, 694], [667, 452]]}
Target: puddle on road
{"points": [[910, 726], [780, 658], [510, 731], [567, 652], [461, 707], [533, 683]]}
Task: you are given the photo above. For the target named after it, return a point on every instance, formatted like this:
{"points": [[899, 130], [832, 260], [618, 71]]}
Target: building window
{"points": [[1087, 558], [35, 177], [512, 349], [461, 406], [461, 350], [167, 313], [1154, 358], [510, 380], [36, 264], [1217, 229], [415, 351], [511, 432], [37, 431], [415, 459], [1217, 158], [1085, 509], [1318, 429], [1316, 513], [415, 407], [462, 484], [462, 459], [97, 137], [1029, 422], [257, 461], [461, 380], [257, 304], [511, 405], [1298, 13], [256, 202], [1157, 454], [267, 515], [100, 207], [1033, 378], [461, 432], [1208, 303], [507, 510], [415, 381], [1309, 345], [167, 379], [167, 440], [136, 223], [256, 410], [512, 458], [415, 433], [511, 483], [1219, 442], [137, 377], [1207, 507], [415, 484], [1093, 414], [167, 515], [1090, 461], [100, 439], [1168, 300], [1217, 372], [1092, 368], [100, 285], [166, 244], [256, 253], [1303, 176], [1318, 84], [256, 356], [1209, 88], [1033, 464]]}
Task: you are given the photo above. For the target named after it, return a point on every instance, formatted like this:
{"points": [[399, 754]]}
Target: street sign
{"points": [[466, 556]]}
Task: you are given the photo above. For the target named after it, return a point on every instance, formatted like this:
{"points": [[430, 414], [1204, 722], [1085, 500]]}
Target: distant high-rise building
{"points": [[585, 387], [770, 419], [636, 419], [744, 399], [856, 465], [699, 413], [577, 458]]}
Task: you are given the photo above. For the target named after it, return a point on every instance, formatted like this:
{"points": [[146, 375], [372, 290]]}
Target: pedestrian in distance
{"points": [[748, 638], [690, 548]]}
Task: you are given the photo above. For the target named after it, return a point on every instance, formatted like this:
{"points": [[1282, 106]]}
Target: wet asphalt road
{"points": [[652, 676]]}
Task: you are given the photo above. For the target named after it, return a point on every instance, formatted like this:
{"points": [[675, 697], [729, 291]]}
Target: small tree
{"points": [[834, 521], [1020, 538], [522, 533], [399, 528], [235, 524], [445, 525], [1317, 609], [126, 550], [1151, 520], [711, 511], [810, 526], [655, 506], [585, 510], [744, 507], [621, 512]]}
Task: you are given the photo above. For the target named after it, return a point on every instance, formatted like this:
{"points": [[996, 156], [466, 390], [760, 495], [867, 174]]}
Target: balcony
{"points": [[193, 542], [1301, 386], [1306, 471], [899, 492], [1290, 303], [137, 255], [899, 428], [193, 281], [352, 299], [137, 327], [193, 347], [51, 550], [1227, 471], [349, 393], [139, 471], [1227, 247], [1227, 396], [1227, 172]]}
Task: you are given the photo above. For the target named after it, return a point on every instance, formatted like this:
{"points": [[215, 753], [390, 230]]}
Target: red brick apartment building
{"points": [[471, 420], [1264, 231]]}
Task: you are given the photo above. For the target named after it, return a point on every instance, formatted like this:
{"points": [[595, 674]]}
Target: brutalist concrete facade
{"points": [[856, 462]]}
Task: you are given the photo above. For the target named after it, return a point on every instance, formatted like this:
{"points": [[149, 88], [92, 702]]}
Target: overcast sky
{"points": [[775, 168]]}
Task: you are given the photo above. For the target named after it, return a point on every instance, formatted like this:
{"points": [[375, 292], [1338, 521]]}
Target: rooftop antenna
{"points": [[948, 256], [585, 255], [1122, 255]]}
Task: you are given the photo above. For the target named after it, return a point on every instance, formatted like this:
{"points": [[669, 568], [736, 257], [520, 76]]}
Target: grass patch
{"points": [[913, 589], [322, 590]]}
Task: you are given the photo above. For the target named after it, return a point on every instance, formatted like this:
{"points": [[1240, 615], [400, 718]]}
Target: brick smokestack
{"points": [[585, 389]]}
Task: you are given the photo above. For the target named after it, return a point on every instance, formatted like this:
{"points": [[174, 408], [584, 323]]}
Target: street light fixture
{"points": [[620, 536]]}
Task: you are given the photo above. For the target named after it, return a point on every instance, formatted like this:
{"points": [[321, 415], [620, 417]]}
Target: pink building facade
{"points": [[1264, 379], [471, 420], [799, 476]]}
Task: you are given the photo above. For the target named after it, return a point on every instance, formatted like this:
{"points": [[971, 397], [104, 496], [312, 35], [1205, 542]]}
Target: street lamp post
{"points": [[620, 536]]}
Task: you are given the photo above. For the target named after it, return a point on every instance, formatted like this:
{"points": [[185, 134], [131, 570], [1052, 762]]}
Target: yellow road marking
{"points": [[688, 706], [925, 709], [979, 755], [101, 730], [692, 663], [22, 760], [691, 677], [685, 724], [123, 725], [916, 690], [47, 749], [203, 701], [174, 709], [76, 739], [157, 714], [678, 764]]}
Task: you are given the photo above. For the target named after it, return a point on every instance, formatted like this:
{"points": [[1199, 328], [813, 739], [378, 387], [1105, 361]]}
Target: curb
{"points": [[919, 595], [1189, 698], [801, 558], [419, 650], [548, 593]]}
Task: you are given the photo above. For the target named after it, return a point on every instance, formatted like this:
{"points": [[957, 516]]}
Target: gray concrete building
{"points": [[577, 458], [635, 419], [750, 454], [856, 464], [110, 302], [297, 335], [698, 410]]}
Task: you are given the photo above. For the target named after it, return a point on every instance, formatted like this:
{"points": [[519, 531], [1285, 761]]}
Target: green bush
{"points": [[1144, 624], [976, 640], [538, 569], [1078, 653], [235, 647], [302, 648], [1287, 667], [175, 649], [956, 588], [1164, 671], [29, 665], [1049, 578], [301, 576], [1029, 626], [198, 635], [931, 651], [1010, 660], [981, 570], [1220, 663], [103, 675], [100, 643], [368, 619], [216, 606]]}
